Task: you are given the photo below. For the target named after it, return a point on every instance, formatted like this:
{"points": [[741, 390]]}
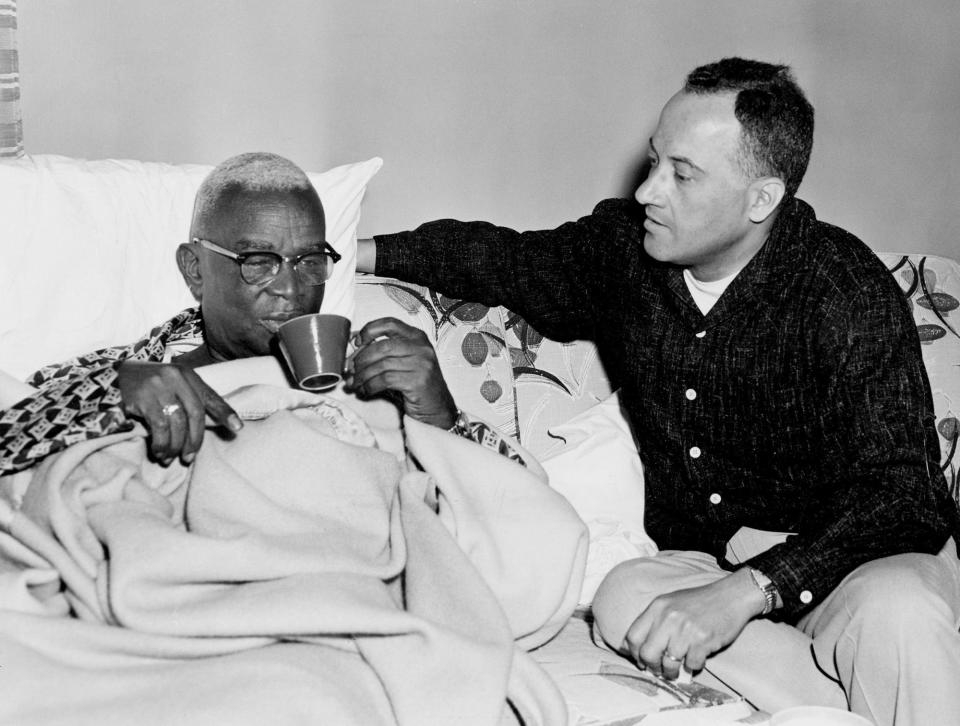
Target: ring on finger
{"points": [[170, 409], [675, 659]]}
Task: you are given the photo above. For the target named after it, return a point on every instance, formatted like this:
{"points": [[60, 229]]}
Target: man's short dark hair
{"points": [[776, 117]]}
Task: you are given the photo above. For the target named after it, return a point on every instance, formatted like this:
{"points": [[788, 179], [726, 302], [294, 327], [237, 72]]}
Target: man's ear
{"points": [[189, 263], [765, 196]]}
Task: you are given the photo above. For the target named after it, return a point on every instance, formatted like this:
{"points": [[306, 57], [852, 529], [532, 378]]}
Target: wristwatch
{"points": [[461, 425], [770, 593]]}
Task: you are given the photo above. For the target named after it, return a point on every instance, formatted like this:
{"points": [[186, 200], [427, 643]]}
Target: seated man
{"points": [[773, 375], [253, 202]]}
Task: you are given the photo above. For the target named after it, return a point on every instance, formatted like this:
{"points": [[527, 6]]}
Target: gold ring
{"points": [[170, 409], [667, 656]]}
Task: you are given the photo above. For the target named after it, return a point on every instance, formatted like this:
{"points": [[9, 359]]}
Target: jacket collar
{"points": [[764, 274]]}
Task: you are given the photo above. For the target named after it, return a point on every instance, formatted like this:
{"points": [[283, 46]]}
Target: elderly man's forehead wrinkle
{"points": [[266, 221]]}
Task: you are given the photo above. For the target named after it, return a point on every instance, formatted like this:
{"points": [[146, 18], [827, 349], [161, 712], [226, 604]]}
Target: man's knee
{"points": [[631, 586], [618, 601]]}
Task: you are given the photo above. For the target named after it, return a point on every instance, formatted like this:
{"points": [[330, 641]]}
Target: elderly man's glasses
{"points": [[259, 268]]}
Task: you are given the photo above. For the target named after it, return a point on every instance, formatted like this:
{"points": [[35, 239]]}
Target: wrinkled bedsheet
{"points": [[286, 576]]}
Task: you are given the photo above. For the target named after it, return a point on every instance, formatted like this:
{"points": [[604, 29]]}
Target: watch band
{"points": [[769, 590]]}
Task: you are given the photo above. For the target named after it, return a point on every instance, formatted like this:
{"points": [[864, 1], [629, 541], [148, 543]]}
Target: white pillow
{"points": [[87, 250], [598, 470]]}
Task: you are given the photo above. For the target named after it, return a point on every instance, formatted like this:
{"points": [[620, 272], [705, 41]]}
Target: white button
{"points": [[715, 498], [701, 333], [695, 452], [806, 597], [690, 394]]}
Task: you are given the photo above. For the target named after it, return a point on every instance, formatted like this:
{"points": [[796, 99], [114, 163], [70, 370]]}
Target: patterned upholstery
{"points": [[470, 341], [502, 370], [932, 285], [498, 367]]}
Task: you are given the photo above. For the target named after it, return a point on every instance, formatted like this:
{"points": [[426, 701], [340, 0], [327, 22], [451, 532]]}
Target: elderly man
{"points": [[773, 375], [301, 570], [256, 258]]}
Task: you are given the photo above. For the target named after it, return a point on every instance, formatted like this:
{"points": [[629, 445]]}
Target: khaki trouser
{"points": [[884, 643]]}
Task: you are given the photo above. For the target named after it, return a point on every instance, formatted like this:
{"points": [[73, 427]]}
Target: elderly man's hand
{"points": [[172, 402], [395, 358], [687, 626]]}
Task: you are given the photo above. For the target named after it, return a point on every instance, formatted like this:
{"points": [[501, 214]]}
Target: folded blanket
{"points": [[287, 576]]}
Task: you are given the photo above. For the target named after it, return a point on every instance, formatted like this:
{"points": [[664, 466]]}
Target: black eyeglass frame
{"points": [[294, 260]]}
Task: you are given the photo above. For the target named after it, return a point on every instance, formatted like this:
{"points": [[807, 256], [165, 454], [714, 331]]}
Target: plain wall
{"points": [[522, 112]]}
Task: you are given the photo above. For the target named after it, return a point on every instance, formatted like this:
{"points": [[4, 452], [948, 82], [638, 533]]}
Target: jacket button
{"points": [[806, 597]]}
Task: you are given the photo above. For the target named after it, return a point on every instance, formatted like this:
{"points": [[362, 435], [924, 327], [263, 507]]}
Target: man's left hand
{"points": [[687, 626], [395, 358]]}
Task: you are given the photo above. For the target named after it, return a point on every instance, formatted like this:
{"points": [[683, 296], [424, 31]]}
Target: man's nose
{"points": [[649, 191], [287, 282]]}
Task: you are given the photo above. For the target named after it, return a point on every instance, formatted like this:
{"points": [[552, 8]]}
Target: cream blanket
{"points": [[285, 577]]}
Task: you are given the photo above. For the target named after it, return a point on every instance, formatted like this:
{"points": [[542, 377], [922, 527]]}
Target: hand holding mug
{"points": [[392, 357]]}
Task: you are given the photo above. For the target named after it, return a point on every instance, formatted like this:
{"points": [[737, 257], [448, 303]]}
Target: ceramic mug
{"points": [[314, 347]]}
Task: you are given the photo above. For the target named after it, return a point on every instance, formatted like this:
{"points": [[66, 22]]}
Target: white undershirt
{"points": [[706, 294]]}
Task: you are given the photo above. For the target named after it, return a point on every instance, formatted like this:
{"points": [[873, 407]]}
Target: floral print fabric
{"points": [[932, 287]]}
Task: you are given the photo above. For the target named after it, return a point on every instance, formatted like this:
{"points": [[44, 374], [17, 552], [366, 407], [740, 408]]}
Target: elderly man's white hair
{"points": [[257, 171]]}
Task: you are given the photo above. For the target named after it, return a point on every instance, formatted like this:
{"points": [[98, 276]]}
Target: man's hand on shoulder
{"points": [[172, 402], [687, 626], [397, 359]]}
